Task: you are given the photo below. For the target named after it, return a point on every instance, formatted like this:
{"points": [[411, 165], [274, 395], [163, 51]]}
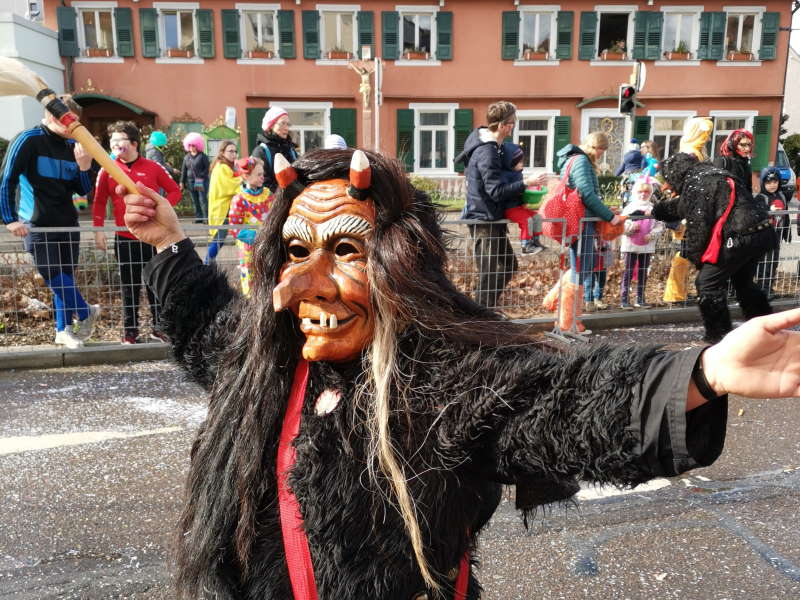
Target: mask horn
{"points": [[360, 176], [286, 176]]}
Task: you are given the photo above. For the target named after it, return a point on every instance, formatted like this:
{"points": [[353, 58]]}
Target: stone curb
{"points": [[108, 353]]}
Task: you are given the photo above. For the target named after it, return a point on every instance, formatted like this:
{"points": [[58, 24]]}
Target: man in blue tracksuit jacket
{"points": [[487, 195], [47, 167]]}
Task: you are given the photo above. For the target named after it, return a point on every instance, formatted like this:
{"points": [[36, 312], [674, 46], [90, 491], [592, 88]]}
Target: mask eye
{"points": [[345, 249], [297, 251]]}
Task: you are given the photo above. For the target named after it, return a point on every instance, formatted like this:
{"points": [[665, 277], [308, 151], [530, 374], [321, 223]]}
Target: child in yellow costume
{"points": [[249, 207], [677, 281], [225, 183]]}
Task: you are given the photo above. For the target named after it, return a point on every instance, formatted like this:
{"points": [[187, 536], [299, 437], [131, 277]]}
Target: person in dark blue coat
{"points": [[487, 195], [633, 161]]}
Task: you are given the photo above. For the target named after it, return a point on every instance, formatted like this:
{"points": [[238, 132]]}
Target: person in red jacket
{"points": [[131, 253]]}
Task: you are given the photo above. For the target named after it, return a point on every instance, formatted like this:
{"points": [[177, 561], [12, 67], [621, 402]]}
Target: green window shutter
{"points": [[148, 27], [405, 138], [311, 34], [343, 122], [254, 117], [463, 127], [586, 48], [444, 33], [769, 35], [562, 128], [390, 33], [564, 39], [286, 33], [647, 35], [366, 31], [124, 26], [67, 31], [205, 32], [509, 43], [712, 36], [641, 128], [231, 43], [762, 134]]}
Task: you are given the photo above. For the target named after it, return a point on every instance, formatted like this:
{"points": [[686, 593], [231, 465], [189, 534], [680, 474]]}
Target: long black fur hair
{"points": [[233, 455]]}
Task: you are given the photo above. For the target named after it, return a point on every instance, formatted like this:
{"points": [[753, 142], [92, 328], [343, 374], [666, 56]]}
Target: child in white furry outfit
{"points": [[638, 242]]}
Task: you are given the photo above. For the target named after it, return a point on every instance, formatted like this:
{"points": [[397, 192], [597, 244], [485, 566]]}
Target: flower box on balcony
{"points": [[178, 53], [339, 55], [534, 55], [415, 55], [677, 55], [608, 55], [740, 56], [98, 52], [262, 54]]}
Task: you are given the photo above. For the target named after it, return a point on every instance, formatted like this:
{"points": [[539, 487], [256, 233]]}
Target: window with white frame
{"points": [[667, 132], [258, 31], [678, 34], [339, 31], [740, 30], [417, 32], [614, 30], [433, 129], [96, 29], [537, 30], [533, 135], [309, 126], [178, 31], [723, 127]]}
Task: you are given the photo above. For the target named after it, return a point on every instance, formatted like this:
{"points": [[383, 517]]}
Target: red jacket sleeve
{"points": [[172, 192], [100, 199]]}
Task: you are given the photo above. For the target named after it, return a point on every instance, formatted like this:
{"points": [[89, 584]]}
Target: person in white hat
{"points": [[334, 142], [274, 140]]}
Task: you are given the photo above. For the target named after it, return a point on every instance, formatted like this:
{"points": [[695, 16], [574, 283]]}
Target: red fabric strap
{"points": [[711, 255], [462, 582], [295, 543]]}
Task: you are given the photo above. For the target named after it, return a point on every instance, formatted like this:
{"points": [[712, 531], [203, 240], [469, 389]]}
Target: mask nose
{"points": [[311, 280]]}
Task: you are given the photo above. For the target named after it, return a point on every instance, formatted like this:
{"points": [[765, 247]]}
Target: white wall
{"points": [[791, 102], [37, 48]]}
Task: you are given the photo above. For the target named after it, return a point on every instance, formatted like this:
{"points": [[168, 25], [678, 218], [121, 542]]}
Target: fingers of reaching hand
{"points": [[782, 320]]}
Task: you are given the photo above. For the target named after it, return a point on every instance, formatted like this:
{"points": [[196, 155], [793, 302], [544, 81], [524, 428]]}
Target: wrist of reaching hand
{"points": [[706, 375]]}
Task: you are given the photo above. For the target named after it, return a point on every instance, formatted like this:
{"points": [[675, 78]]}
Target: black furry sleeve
{"points": [[605, 414], [197, 308]]}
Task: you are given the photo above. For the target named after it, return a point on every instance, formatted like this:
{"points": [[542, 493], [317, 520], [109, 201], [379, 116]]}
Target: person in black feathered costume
{"points": [[402, 447], [703, 193]]}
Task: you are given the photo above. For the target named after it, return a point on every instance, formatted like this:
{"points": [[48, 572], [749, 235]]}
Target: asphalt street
{"points": [[92, 462]]}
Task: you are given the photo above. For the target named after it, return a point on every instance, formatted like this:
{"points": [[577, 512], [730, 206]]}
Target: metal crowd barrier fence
{"points": [[485, 261]]}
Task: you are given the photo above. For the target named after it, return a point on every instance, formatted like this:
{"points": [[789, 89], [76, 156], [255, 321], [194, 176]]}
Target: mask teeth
{"points": [[323, 321], [307, 321], [333, 322]]}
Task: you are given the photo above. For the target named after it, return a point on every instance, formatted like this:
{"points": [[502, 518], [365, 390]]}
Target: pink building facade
{"points": [[173, 64]]}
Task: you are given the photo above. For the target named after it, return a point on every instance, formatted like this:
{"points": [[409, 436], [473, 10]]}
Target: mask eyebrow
{"points": [[344, 224], [295, 227]]}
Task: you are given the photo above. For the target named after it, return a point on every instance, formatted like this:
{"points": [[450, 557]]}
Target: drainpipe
{"points": [[69, 73]]}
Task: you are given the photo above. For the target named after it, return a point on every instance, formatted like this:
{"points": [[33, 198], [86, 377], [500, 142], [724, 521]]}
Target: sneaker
{"points": [[158, 336], [626, 306], [531, 249], [642, 305], [600, 305], [581, 329], [66, 338], [85, 328], [589, 307], [130, 339]]}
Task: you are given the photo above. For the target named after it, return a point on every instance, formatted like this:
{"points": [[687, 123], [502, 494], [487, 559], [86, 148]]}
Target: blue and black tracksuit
{"points": [[41, 165]]}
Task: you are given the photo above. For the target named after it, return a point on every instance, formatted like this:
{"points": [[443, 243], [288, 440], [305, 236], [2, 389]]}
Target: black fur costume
{"points": [[478, 415], [703, 195]]}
